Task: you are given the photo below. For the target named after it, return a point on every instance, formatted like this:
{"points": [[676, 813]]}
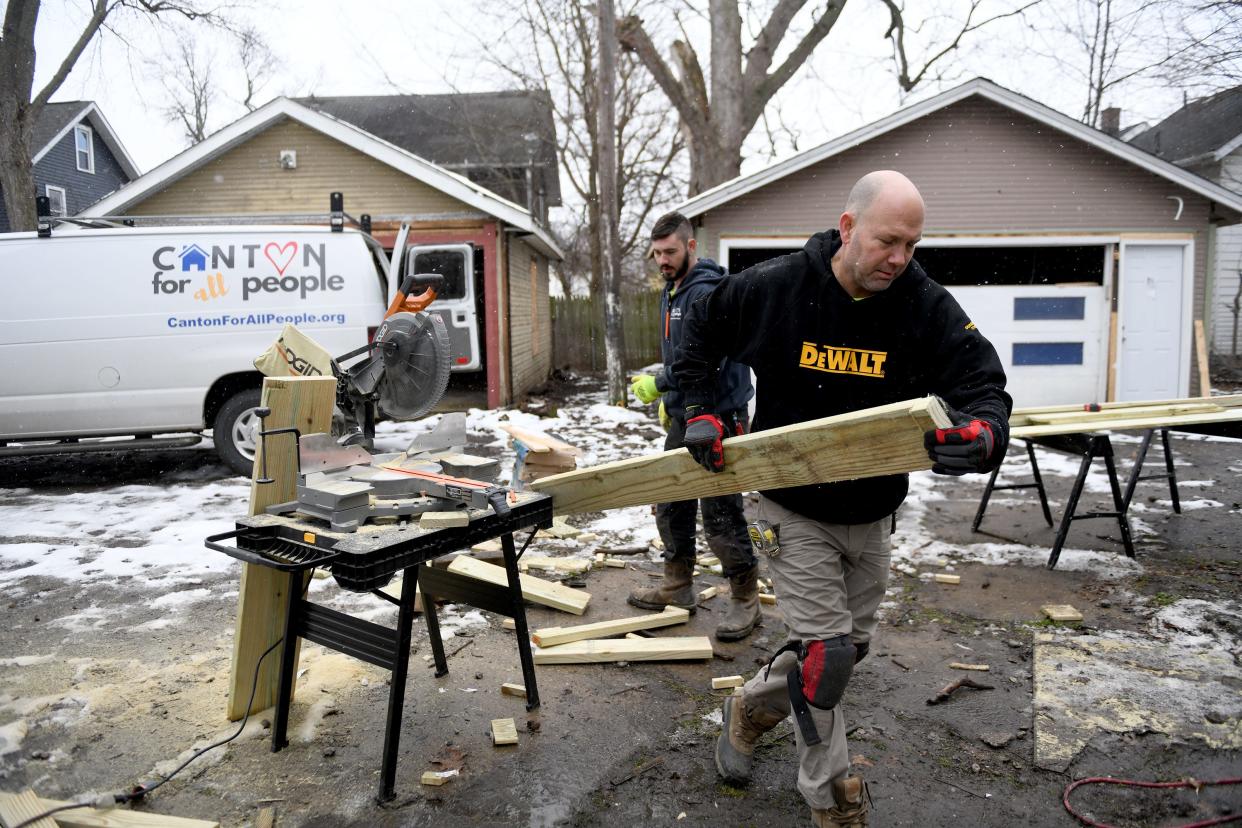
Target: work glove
{"points": [[704, 433], [665, 420], [965, 448], [644, 387]]}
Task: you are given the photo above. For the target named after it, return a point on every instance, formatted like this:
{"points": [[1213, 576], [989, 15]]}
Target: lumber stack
{"points": [[1047, 421], [887, 439], [539, 455], [18, 807]]}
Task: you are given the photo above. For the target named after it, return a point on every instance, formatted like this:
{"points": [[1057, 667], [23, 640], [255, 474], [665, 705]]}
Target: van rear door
{"points": [[456, 302]]}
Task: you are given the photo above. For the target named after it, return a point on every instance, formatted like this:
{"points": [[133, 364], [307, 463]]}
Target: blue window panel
{"points": [[1047, 353], [1050, 307]]}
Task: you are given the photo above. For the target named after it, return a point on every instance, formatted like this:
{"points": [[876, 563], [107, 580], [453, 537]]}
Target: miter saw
{"points": [[402, 373]]}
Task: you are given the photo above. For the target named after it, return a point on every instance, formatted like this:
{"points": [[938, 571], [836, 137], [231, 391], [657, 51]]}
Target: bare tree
{"points": [[258, 64], [554, 47], [186, 73], [614, 334], [21, 104]]}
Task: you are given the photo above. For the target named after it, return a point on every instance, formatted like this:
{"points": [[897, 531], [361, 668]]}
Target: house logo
{"points": [[193, 257]]}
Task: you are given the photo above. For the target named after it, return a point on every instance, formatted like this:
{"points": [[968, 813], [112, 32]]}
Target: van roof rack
{"points": [[335, 218]]}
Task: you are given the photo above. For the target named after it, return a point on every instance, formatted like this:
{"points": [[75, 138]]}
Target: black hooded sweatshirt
{"points": [[732, 387], [817, 352]]}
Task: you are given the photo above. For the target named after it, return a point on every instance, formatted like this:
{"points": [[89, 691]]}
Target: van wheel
{"points": [[236, 429]]}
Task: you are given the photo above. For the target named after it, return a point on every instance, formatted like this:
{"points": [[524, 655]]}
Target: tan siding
{"points": [[529, 317], [248, 179], [982, 169]]}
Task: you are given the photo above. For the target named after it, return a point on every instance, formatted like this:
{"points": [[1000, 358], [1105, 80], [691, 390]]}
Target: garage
{"points": [[1080, 257]]}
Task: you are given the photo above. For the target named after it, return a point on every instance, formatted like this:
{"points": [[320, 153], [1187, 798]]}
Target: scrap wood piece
{"points": [[537, 442], [266, 818], [535, 590], [88, 817], [438, 778], [767, 598], [504, 732], [554, 636], [724, 682], [510, 689], [943, 578], [979, 668], [887, 439], [709, 592], [393, 590], [443, 520], [1061, 612], [596, 651], [947, 690], [570, 566]]}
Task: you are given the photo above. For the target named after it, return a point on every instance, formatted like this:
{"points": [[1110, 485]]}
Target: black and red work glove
{"points": [[704, 433], [963, 449]]}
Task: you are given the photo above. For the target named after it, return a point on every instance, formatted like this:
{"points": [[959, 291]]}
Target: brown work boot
{"points": [[743, 615], [851, 795], [740, 729], [676, 589]]}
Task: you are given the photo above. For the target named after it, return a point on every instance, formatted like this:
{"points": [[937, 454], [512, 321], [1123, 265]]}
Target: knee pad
{"points": [[826, 669]]}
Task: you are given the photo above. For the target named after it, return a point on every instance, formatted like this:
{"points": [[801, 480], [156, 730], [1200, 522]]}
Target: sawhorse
{"points": [[1089, 447]]}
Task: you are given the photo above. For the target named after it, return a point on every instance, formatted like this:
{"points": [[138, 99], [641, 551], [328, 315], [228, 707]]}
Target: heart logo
{"points": [[281, 256]]}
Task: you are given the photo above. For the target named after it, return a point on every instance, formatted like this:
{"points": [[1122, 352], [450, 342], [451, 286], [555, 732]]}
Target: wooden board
{"points": [[535, 590], [1201, 354], [553, 636], [110, 818], [540, 443], [1125, 423], [627, 649], [570, 566], [944, 578], [443, 520], [725, 682], [1019, 414], [887, 439], [504, 732], [510, 689], [437, 778], [19, 807], [306, 404]]}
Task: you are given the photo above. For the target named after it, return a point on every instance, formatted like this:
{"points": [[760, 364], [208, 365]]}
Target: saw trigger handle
{"points": [[405, 300]]}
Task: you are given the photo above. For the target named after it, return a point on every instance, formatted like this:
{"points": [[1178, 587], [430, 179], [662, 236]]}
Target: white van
{"points": [[153, 330]]}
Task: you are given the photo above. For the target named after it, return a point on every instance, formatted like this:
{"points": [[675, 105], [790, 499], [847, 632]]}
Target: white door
{"points": [[1153, 323]]}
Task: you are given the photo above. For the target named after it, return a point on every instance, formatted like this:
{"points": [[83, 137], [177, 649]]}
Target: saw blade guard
{"points": [[415, 351]]}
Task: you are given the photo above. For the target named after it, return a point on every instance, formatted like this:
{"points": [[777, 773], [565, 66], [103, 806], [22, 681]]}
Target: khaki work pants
{"points": [[829, 580]]}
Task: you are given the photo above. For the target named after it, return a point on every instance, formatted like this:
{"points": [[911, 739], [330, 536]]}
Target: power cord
{"points": [[1196, 784], [137, 792]]}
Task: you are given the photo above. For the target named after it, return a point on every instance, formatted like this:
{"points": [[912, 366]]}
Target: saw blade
{"points": [[415, 351]]}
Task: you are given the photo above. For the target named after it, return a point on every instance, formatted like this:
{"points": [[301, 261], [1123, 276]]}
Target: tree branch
{"points": [[757, 97]]}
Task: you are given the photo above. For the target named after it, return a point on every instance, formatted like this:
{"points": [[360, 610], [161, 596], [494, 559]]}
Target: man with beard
{"points": [[687, 280], [849, 322]]}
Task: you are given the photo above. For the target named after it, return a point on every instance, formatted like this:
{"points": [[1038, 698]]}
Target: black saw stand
{"points": [[1088, 446], [364, 561]]}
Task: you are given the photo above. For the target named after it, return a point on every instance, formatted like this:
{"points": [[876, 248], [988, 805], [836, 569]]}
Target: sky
{"points": [[423, 46]]}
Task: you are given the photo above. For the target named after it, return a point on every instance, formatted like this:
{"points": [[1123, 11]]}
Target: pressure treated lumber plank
{"points": [[1201, 357], [570, 566], [1224, 401], [535, 590], [19, 807], [887, 439], [304, 403], [553, 636], [119, 818], [1123, 423], [540, 443], [595, 651], [443, 520], [1176, 410]]}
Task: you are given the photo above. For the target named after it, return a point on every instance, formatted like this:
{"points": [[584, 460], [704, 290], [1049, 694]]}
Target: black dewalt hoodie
{"points": [[816, 352]]}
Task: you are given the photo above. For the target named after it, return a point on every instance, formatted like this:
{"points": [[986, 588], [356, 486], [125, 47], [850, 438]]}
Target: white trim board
{"points": [[729, 190], [241, 130]]}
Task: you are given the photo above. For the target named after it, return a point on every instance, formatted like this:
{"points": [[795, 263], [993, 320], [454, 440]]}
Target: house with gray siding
{"points": [[77, 158], [1205, 137], [1082, 258]]}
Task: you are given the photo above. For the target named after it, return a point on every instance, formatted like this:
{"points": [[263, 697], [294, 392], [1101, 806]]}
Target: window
{"points": [[84, 148], [448, 263], [56, 197], [1050, 265]]}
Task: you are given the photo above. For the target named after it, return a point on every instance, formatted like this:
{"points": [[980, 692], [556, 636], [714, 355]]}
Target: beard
{"points": [[680, 272]]}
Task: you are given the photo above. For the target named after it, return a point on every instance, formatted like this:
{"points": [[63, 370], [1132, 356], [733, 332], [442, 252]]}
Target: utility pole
{"points": [[614, 334]]}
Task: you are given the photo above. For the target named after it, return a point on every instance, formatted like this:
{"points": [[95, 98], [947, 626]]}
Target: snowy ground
{"points": [[99, 567]]}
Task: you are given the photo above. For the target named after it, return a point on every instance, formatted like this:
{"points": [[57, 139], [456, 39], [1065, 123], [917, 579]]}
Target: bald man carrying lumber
{"points": [[849, 322]]}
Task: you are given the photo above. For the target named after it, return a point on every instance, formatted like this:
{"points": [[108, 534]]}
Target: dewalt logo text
{"points": [[843, 360]]}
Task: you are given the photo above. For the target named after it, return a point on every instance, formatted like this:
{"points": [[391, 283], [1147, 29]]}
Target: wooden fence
{"points": [[578, 330]]}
